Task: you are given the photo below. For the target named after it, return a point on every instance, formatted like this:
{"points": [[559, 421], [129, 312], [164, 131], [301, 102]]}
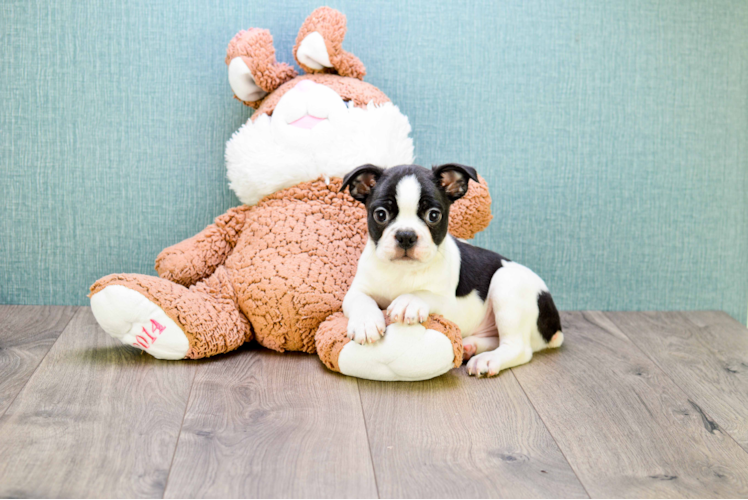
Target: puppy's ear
{"points": [[453, 178], [361, 181]]}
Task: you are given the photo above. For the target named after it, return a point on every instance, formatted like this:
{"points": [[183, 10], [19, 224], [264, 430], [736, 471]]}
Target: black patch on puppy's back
{"points": [[549, 321], [477, 267]]}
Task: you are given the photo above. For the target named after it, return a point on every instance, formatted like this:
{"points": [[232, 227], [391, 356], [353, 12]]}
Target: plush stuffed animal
{"points": [[277, 268]]}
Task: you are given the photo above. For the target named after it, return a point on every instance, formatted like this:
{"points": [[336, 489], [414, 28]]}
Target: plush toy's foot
{"points": [[406, 352], [134, 320], [168, 320]]}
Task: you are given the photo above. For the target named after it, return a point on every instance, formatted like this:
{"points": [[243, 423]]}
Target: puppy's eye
{"points": [[381, 215], [433, 216]]}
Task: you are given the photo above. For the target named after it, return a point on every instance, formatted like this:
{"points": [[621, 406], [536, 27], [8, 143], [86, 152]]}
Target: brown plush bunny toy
{"points": [[278, 267]]}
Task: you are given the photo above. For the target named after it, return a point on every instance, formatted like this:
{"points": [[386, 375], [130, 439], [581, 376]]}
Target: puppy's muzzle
{"points": [[406, 239]]}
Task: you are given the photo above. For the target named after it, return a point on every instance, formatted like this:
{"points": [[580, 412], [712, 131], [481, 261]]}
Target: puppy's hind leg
{"points": [[549, 324], [513, 295], [513, 350], [523, 330]]}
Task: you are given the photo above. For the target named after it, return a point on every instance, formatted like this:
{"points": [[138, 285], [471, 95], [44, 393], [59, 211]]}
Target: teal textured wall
{"points": [[614, 134]]}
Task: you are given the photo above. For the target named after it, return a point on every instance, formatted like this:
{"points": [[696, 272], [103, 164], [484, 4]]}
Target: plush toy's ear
{"points": [[319, 45], [253, 70], [361, 181], [453, 179]]}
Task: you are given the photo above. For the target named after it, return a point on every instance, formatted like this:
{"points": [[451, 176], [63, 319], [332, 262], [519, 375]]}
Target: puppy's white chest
{"points": [[386, 281], [391, 287]]}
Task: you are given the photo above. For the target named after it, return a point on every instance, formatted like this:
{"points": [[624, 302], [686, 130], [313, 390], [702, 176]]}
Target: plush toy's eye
{"points": [[381, 215], [433, 216]]}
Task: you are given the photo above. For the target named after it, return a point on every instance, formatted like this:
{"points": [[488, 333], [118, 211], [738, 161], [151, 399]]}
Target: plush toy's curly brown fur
{"points": [[331, 24], [255, 47], [278, 271], [283, 266]]}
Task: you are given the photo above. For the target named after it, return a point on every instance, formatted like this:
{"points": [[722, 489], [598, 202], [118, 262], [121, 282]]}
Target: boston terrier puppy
{"points": [[412, 266]]}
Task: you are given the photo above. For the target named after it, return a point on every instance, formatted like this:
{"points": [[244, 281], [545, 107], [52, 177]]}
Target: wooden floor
{"points": [[633, 405]]}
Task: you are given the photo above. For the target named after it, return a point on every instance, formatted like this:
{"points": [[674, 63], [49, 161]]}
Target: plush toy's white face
{"points": [[309, 105], [312, 133]]}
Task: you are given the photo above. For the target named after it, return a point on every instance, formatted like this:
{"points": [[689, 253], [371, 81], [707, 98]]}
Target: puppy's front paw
{"points": [[408, 309], [366, 327]]}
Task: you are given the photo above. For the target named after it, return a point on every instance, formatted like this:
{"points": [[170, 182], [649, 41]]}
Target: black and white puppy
{"points": [[413, 267]]}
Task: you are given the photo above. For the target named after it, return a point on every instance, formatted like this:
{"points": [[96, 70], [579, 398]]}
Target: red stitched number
{"points": [[147, 341]]}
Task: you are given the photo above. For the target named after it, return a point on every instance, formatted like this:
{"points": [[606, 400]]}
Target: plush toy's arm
{"points": [[198, 257], [471, 214], [407, 352]]}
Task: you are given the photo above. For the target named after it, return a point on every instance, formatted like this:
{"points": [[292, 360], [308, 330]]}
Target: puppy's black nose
{"points": [[406, 239]]}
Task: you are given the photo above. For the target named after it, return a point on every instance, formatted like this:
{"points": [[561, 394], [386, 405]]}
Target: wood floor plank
{"points": [[26, 334], [623, 424], [96, 419], [456, 436], [264, 424], [705, 353]]}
